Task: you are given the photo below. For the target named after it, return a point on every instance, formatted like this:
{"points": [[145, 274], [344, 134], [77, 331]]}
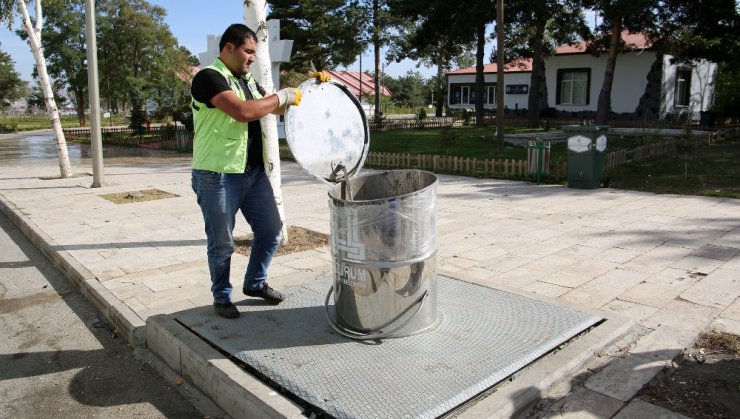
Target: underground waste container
{"points": [[586, 155], [383, 224]]}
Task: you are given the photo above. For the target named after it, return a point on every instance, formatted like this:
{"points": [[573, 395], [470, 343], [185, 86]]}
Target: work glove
{"points": [[320, 76], [289, 96]]}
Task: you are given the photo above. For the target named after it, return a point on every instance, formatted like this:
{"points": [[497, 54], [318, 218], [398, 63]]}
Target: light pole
{"points": [[94, 95]]}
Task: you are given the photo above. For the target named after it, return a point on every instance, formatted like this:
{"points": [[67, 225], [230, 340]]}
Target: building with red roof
{"points": [[575, 76], [358, 82]]}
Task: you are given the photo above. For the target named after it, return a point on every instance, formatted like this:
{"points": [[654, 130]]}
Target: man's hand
{"points": [[321, 76], [289, 96]]}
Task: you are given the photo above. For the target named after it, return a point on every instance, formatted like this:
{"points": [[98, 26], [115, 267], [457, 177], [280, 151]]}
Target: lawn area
{"points": [[475, 142], [711, 170], [28, 123], [459, 142]]}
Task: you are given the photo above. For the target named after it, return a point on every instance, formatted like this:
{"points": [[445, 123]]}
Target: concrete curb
{"points": [[121, 317], [235, 391]]}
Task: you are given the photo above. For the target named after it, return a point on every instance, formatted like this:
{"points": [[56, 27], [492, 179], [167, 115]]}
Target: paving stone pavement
{"points": [[670, 263]]}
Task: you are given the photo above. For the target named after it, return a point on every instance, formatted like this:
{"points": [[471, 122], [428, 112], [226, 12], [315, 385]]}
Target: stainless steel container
{"points": [[383, 241]]}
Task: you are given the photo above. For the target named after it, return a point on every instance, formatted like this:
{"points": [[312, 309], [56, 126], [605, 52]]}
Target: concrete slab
{"points": [[682, 315], [725, 325], [622, 378], [719, 289], [650, 294], [636, 312], [639, 409], [583, 403]]}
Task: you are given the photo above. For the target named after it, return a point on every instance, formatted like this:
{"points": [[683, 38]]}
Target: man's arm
{"points": [[245, 110]]}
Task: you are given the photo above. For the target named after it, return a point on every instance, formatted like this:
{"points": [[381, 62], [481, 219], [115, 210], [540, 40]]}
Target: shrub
{"points": [[10, 125], [422, 115]]}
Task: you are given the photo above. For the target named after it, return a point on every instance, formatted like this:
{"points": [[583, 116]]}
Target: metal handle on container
{"points": [[378, 333]]}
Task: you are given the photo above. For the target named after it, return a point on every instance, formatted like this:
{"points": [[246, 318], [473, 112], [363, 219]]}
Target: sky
{"points": [[191, 22]]}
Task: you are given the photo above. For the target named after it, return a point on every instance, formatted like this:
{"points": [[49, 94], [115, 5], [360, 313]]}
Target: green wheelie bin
{"points": [[586, 155]]}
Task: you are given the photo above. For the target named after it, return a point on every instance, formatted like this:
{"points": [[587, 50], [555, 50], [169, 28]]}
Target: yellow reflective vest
{"points": [[220, 142]]}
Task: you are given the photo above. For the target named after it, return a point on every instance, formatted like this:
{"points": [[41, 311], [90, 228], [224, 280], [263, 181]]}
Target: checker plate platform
{"points": [[484, 336]]}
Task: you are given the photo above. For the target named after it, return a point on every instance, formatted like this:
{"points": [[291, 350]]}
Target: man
{"points": [[229, 170]]}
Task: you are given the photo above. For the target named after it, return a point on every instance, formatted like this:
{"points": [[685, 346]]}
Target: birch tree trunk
{"points": [[34, 39], [255, 17]]}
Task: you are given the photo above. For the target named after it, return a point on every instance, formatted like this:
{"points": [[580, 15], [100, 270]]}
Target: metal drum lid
{"points": [[327, 132]]}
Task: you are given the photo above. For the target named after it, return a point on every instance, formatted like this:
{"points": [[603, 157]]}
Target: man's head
{"points": [[237, 47]]}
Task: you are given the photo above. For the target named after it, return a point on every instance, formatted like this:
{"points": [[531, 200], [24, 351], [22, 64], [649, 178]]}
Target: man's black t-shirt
{"points": [[207, 84]]}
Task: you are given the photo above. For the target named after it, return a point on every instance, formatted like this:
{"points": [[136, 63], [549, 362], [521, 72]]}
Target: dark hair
{"points": [[236, 34]]}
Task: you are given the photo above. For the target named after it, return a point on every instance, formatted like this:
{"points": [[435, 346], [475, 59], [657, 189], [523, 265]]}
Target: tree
{"points": [[471, 19], [255, 17], [64, 47], [36, 98], [12, 87], [424, 34], [139, 55], [727, 90], [33, 30], [706, 29], [701, 29], [172, 91], [325, 33], [382, 21], [411, 90], [500, 74], [617, 16], [539, 27]]}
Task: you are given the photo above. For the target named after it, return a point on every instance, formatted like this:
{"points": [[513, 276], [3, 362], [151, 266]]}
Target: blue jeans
{"points": [[221, 196]]}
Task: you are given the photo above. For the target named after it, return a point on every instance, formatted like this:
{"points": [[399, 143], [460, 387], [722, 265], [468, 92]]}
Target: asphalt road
{"points": [[57, 359]]}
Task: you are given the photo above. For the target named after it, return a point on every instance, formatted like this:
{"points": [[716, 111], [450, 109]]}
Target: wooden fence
{"points": [[158, 137], [463, 166], [520, 121], [466, 166], [85, 132]]}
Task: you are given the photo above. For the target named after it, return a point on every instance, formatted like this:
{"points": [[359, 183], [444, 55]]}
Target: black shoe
{"points": [[266, 293], [226, 310]]}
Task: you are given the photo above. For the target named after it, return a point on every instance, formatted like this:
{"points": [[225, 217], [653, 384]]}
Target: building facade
{"points": [[574, 79]]}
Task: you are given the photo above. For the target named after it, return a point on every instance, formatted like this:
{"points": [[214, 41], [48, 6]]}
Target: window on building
{"points": [[491, 95], [460, 94], [464, 94], [573, 86], [683, 87]]}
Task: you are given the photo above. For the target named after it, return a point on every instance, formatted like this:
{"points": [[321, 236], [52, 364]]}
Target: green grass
{"points": [[711, 170], [475, 142], [34, 122], [469, 142]]}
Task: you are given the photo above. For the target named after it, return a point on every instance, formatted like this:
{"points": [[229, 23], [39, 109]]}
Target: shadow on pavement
{"points": [[58, 367]]}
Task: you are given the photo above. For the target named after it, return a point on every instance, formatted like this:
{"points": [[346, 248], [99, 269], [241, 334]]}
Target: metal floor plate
{"points": [[485, 336]]}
